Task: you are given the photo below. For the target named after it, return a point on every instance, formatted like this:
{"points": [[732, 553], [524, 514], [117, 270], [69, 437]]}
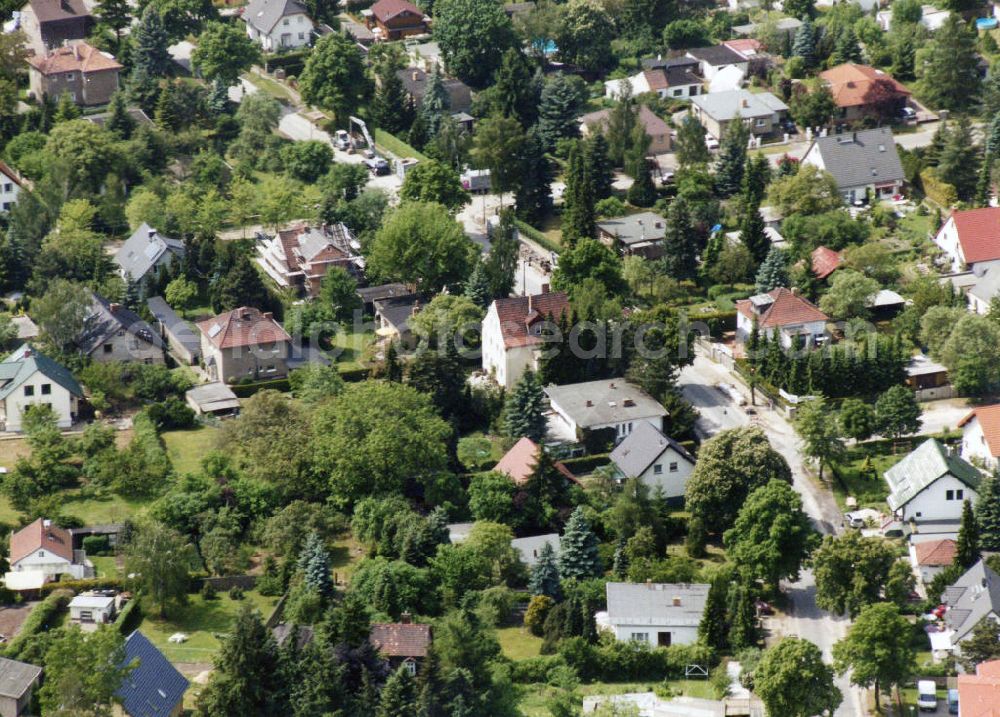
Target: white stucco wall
{"points": [[974, 444], [672, 482], [62, 401], [9, 191], [42, 560], [932, 503], [291, 32], [679, 634], [947, 240]]}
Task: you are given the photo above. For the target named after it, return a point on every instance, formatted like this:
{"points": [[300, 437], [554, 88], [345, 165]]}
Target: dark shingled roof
{"points": [[56, 10], [861, 158], [717, 55], [106, 319], [264, 14], [154, 687], [17, 677]]}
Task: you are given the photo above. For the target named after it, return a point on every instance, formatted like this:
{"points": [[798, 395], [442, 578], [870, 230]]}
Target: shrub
{"points": [[538, 610], [535, 669], [130, 617], [236, 593], [38, 621], [171, 414], [208, 590], [96, 545]]}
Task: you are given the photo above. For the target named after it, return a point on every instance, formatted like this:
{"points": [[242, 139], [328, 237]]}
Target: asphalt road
{"points": [[804, 619]]}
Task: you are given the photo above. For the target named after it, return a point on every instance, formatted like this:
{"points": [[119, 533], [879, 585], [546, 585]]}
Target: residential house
{"points": [[396, 19], [278, 25], [183, 339], [393, 316], [530, 548], [788, 26], [981, 436], [52, 23], [656, 129], [728, 79], [860, 91], [146, 254], [17, 682], [979, 694], [746, 46], [927, 378], [370, 294], [520, 462], [862, 163], [92, 609], [970, 237], [415, 82], [656, 460], [27, 330], [824, 261], [972, 598], [425, 55], [88, 75], [761, 112], [113, 332], [244, 343], [985, 286], [930, 485], [212, 399], [615, 405], [513, 333], [154, 688], [931, 18], [27, 378], [137, 115], [42, 551], [712, 60], [402, 643], [11, 185], [357, 31], [674, 78], [782, 312], [659, 614], [638, 234], [298, 258], [930, 557]]}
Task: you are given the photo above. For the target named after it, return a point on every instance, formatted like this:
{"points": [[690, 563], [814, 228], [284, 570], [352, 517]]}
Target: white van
{"points": [[927, 696]]}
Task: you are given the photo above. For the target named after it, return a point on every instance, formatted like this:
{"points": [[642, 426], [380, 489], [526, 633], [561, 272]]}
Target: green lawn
{"points": [[518, 643], [860, 475], [265, 84], [350, 349], [344, 558], [914, 228], [203, 622], [110, 509], [105, 566], [393, 145], [187, 448], [533, 698]]}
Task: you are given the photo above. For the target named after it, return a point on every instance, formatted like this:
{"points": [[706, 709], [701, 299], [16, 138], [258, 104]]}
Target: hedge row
{"points": [[38, 621], [938, 190], [246, 390], [612, 660], [585, 464], [718, 322], [130, 617], [536, 236], [78, 586]]}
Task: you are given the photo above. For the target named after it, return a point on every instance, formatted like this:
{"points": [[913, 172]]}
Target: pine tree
{"points": [[805, 44], [525, 409], [993, 137], [642, 193], [988, 514], [477, 287], [393, 368], [314, 564], [619, 567], [557, 111], [984, 184], [533, 196], [967, 544], [578, 556], [752, 233], [399, 695], [115, 15], [150, 56], [713, 630], [932, 152], [690, 147], [218, 98], [168, 114], [742, 622], [545, 574], [958, 162], [599, 168], [756, 177], [679, 247], [847, 48], [732, 159], [391, 108], [516, 88], [419, 136], [119, 120], [578, 219], [773, 272], [435, 103], [66, 108]]}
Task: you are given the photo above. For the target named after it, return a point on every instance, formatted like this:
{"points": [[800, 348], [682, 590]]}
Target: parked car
{"points": [[908, 114], [377, 165], [341, 140], [926, 696], [953, 702], [789, 126], [853, 520], [711, 142]]}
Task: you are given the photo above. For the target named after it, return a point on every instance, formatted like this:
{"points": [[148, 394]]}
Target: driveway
{"points": [[940, 415]]}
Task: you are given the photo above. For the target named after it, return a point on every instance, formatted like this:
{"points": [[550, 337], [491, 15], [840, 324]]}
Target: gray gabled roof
{"points": [[724, 106], [154, 687], [636, 228], [181, 331], [17, 677], [922, 467], [531, 547], [143, 249], [264, 14], [857, 159], [656, 603], [22, 365], [642, 447], [971, 598], [107, 319]]}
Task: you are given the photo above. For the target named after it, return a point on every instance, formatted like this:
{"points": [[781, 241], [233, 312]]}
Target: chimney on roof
{"points": [[590, 403], [415, 75], [530, 304], [677, 601], [545, 288], [745, 102], [46, 523], [245, 313], [612, 385], [27, 352], [268, 315], [152, 234], [113, 306], [405, 617]]}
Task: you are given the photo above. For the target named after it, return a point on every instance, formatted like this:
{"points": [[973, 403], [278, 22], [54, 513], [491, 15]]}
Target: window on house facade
{"points": [[639, 637], [8, 187], [70, 77], [657, 469], [673, 467], [29, 390], [959, 494], [46, 389], [411, 667], [108, 348]]}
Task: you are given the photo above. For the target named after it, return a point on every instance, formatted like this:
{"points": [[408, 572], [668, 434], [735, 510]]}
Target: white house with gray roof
{"points": [[606, 404], [278, 24], [639, 234], [761, 112], [930, 484], [659, 614], [113, 332], [27, 378], [972, 598], [17, 681], [860, 162], [658, 461], [146, 253]]}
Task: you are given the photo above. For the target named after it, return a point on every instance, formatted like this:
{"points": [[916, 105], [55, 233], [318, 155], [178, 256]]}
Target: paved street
{"points": [[804, 619]]}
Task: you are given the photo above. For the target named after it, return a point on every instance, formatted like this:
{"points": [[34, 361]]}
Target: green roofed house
{"points": [[28, 377], [930, 484]]}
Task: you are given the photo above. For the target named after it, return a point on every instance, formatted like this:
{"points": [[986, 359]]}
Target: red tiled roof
{"points": [[979, 694], [245, 326], [978, 233], [385, 10], [401, 639], [37, 536], [651, 122], [854, 85], [517, 313], [743, 45], [989, 422], [10, 173], [936, 552], [520, 461], [786, 309], [79, 57], [825, 261]]}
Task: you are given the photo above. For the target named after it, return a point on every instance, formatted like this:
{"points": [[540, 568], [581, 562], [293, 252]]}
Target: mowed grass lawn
{"points": [[348, 349], [534, 697], [186, 448], [860, 475], [518, 643], [203, 621]]}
